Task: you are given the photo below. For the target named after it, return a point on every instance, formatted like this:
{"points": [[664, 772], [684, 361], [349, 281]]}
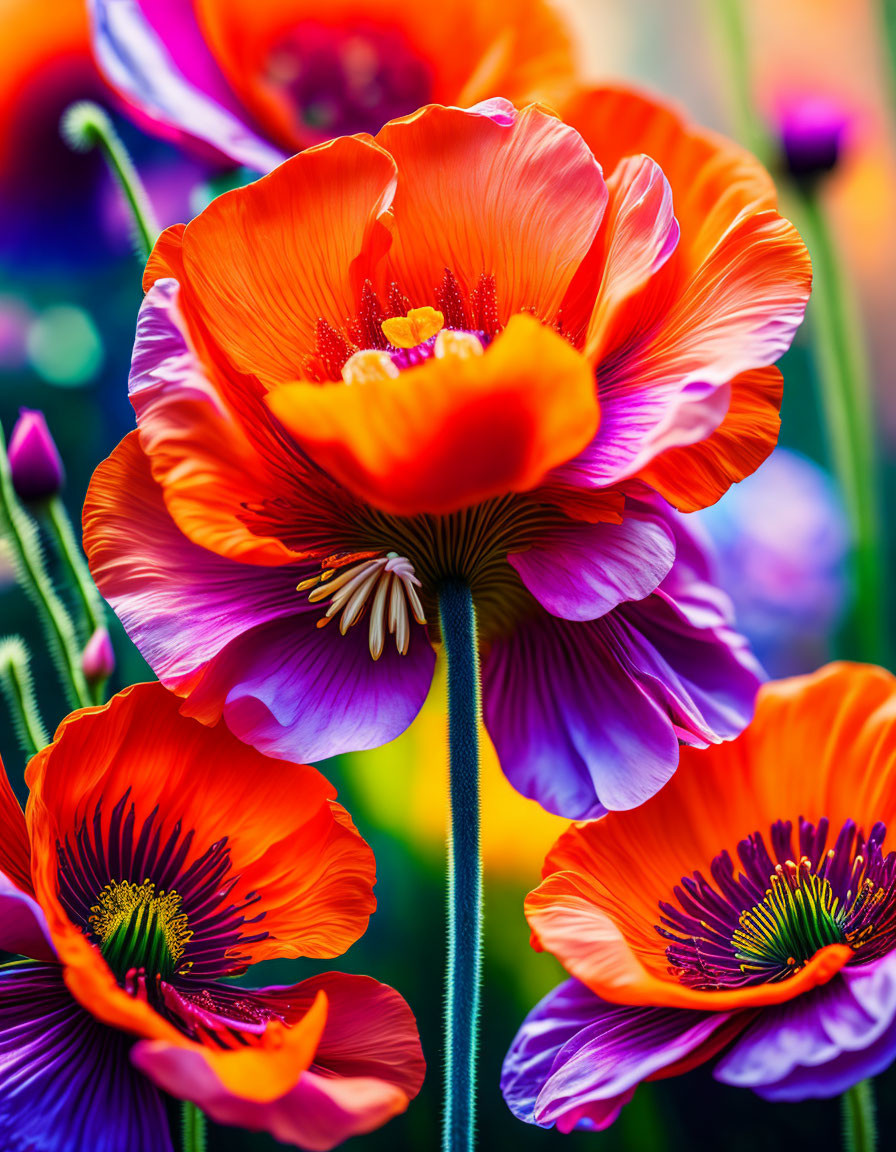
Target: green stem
{"points": [[18, 691], [464, 969], [859, 1127], [748, 127], [847, 403], [21, 534], [86, 125], [192, 1128], [92, 610], [888, 24]]}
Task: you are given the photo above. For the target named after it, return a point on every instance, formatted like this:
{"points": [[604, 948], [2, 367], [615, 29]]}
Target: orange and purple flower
{"points": [[253, 82], [746, 912], [457, 352], [158, 859]]}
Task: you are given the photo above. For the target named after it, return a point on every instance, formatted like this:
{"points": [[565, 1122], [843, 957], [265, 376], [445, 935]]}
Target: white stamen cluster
{"points": [[386, 584]]}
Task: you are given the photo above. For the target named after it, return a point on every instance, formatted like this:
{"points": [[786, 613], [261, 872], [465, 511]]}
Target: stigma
{"points": [[139, 929], [385, 587]]}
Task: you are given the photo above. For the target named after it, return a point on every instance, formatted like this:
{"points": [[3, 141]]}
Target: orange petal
{"points": [[819, 746], [263, 1070], [166, 258], [265, 263], [519, 202], [288, 840], [698, 475], [15, 849], [713, 180], [453, 431]]}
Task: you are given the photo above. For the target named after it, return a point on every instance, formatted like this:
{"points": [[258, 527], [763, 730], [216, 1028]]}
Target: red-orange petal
{"points": [[452, 431], [820, 746], [700, 474], [265, 263], [519, 201], [288, 840], [15, 849]]}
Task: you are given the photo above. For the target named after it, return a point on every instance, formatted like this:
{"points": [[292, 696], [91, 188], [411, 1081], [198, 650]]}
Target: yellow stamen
{"points": [[408, 331]]}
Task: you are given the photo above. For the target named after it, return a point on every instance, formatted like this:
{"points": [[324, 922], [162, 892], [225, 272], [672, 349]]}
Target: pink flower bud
{"points": [[812, 131], [98, 658], [34, 461]]}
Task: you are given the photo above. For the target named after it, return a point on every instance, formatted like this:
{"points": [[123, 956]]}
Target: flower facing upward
{"points": [[253, 81], [456, 352], [161, 858], [748, 911]]}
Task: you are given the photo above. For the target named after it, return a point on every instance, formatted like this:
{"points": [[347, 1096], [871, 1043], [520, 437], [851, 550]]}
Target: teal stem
{"points": [[31, 573], [847, 403], [92, 610], [192, 1128], [464, 970], [85, 126], [735, 55], [18, 690], [859, 1126]]}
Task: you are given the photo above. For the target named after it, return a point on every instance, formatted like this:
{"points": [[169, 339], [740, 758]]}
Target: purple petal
{"points": [[23, 926], [584, 570], [821, 1043], [577, 1059], [300, 692], [65, 1079], [588, 716], [153, 54]]}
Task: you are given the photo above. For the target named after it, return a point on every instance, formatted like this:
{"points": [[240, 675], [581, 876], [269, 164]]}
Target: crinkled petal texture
{"points": [[205, 73], [597, 907], [237, 639], [367, 1067], [824, 1042], [684, 339], [588, 714], [289, 841], [65, 1078], [577, 1060]]}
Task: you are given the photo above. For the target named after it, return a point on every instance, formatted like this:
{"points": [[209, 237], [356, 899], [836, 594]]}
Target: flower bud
{"points": [[98, 658], [812, 130], [34, 460]]}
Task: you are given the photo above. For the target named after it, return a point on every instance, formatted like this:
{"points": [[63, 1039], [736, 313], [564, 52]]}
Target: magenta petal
{"points": [[584, 570], [822, 1043], [577, 1060], [23, 926], [153, 55]]}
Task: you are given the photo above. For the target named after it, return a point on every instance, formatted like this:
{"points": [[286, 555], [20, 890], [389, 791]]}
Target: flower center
{"points": [[342, 80], [384, 585], [138, 928], [766, 921]]}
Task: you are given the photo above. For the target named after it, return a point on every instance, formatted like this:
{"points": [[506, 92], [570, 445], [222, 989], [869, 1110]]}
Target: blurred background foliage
{"points": [[69, 293]]}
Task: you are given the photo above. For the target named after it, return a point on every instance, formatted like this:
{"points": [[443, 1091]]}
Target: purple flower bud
{"points": [[98, 658], [812, 131], [34, 461]]}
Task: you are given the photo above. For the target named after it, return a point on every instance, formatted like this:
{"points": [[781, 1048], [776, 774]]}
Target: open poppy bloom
{"points": [[455, 352], [161, 858], [747, 912], [253, 81]]}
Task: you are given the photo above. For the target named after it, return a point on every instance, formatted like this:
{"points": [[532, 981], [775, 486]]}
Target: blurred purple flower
{"points": [[782, 539], [34, 460], [812, 129]]}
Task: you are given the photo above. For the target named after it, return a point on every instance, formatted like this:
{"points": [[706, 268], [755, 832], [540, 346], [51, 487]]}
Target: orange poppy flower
{"points": [[255, 82], [157, 858], [456, 350], [750, 907]]}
